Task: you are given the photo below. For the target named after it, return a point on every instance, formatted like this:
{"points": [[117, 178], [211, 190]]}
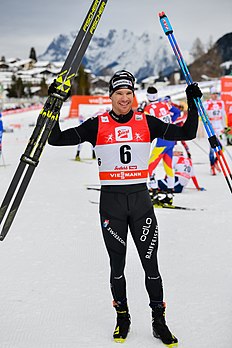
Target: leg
{"points": [[144, 231], [156, 155], [93, 153], [167, 162], [77, 158], [178, 188], [162, 184], [114, 228], [211, 156]]}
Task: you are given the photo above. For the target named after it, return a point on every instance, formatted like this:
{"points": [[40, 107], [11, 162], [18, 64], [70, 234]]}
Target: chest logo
{"points": [[104, 119]]}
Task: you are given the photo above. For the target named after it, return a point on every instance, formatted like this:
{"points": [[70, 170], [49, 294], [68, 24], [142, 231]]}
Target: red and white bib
{"points": [[123, 150], [183, 169], [216, 113], [160, 110]]}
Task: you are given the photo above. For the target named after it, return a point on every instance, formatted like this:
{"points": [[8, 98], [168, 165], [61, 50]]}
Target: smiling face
{"points": [[122, 100]]}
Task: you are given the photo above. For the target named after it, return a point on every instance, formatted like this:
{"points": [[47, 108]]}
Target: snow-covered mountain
{"points": [[144, 55]]}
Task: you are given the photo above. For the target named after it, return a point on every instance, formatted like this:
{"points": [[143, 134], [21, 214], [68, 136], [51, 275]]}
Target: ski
{"points": [[93, 202], [93, 188], [48, 116], [164, 206], [169, 206]]}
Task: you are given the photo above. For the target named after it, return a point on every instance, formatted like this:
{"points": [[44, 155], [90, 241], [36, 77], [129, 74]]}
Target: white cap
{"points": [[213, 90], [178, 148]]}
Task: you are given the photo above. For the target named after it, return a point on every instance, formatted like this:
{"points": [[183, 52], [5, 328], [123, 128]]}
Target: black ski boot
{"points": [[166, 197], [154, 196], [77, 158], [123, 322], [160, 329], [93, 155]]}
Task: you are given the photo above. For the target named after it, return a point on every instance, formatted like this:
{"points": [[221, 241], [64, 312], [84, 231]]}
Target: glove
{"points": [[201, 189], [52, 89], [193, 92]]}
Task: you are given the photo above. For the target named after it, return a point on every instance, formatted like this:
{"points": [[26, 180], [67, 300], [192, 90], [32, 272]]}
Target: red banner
{"points": [[97, 100], [226, 95]]}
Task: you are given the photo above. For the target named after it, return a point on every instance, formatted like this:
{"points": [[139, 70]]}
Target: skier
{"points": [[79, 146], [215, 109], [179, 120], [183, 168], [163, 148], [122, 139]]}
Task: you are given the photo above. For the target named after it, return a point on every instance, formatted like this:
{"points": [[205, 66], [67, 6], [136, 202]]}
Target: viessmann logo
{"points": [[123, 133]]}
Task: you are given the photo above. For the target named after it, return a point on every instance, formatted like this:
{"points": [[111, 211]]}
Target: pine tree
{"points": [[16, 90], [210, 43], [33, 54], [81, 84], [197, 49], [43, 88]]}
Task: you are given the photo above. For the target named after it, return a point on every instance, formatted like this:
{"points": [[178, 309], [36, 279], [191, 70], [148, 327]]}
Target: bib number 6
{"points": [[125, 154]]}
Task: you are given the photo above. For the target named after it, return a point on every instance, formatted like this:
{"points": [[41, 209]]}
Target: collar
{"points": [[121, 118]]}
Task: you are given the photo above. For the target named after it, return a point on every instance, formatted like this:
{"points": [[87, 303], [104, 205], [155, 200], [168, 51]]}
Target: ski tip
{"points": [[162, 14]]}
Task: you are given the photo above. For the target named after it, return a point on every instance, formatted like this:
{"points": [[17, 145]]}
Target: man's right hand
{"points": [[53, 89]]}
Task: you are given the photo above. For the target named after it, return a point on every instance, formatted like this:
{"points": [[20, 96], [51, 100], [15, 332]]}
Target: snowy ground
{"points": [[54, 268]]}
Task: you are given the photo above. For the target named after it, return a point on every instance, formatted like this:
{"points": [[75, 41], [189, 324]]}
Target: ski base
{"points": [[172, 345], [119, 340]]}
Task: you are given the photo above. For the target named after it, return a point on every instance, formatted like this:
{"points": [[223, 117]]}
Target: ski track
{"points": [[54, 267]]}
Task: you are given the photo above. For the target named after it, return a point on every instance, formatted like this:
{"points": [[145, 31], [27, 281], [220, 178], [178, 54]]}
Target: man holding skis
{"points": [[121, 139]]}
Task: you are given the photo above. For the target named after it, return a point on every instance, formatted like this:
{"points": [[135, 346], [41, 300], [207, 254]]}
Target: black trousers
{"points": [[130, 206]]}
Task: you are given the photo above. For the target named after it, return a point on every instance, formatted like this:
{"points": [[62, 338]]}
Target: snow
{"points": [[54, 267]]}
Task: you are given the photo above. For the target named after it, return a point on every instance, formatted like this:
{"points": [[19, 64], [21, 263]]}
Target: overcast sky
{"points": [[34, 23]]}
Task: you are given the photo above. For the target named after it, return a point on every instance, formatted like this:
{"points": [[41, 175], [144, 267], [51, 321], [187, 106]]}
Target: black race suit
{"points": [[123, 206]]}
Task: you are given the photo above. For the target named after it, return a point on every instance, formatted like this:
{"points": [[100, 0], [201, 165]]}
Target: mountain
{"points": [[209, 63], [144, 55]]}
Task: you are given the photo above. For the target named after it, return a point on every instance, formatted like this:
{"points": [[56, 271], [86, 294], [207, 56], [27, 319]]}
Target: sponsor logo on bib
{"points": [[104, 119], [138, 117], [123, 133]]}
